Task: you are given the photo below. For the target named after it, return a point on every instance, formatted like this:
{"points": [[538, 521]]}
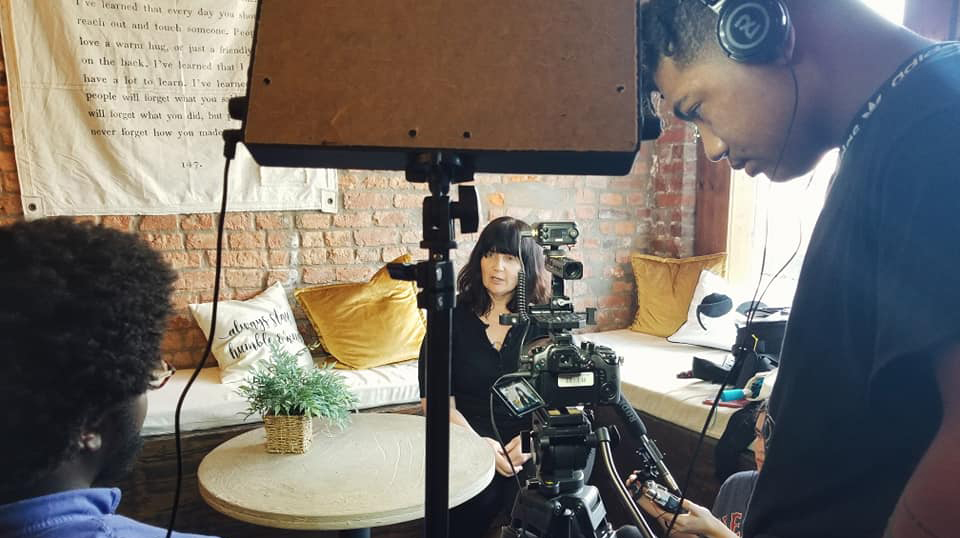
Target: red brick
{"points": [[520, 179], [586, 213], [373, 237], [7, 221], [194, 338], [164, 241], [354, 274], [313, 221], [341, 256], [11, 182], [239, 221], [8, 161], [614, 301], [182, 259], [184, 321], [285, 277], [271, 221], [203, 221], [312, 239], [354, 219], [367, 255], [201, 240], [312, 256], [375, 182], [348, 180], [239, 258], [10, 204], [586, 196], [613, 214], [279, 258], [611, 199], [392, 218], [282, 238], [172, 341], [407, 201], [623, 287], [411, 236], [244, 278], [318, 275], [391, 253], [496, 212], [365, 200], [118, 222], [668, 200], [637, 199], [337, 239], [246, 240], [158, 222], [195, 280], [496, 199], [6, 136], [597, 182]]}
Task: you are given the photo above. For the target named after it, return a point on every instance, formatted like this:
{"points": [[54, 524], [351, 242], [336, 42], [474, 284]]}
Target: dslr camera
{"points": [[563, 373]]}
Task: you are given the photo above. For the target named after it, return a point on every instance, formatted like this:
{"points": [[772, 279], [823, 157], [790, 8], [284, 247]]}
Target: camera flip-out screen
{"points": [[519, 397]]}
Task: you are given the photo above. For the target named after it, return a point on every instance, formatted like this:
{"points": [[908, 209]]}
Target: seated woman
{"points": [[484, 350]]}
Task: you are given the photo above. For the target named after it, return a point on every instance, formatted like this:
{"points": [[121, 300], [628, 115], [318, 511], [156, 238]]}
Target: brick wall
{"points": [[380, 219], [674, 172]]}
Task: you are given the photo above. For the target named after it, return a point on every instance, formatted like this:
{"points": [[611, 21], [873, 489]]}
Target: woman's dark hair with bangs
{"points": [[503, 235]]}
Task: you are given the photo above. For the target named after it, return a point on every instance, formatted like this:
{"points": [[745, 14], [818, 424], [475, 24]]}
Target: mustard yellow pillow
{"points": [[665, 287], [367, 324]]}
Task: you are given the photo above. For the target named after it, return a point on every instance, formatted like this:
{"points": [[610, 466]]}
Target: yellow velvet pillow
{"points": [[367, 324], [665, 287]]}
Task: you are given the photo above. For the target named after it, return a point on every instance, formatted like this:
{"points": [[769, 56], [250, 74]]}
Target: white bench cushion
{"points": [[649, 381], [211, 404]]}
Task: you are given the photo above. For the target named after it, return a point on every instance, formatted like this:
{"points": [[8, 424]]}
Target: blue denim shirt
{"points": [[81, 513]]}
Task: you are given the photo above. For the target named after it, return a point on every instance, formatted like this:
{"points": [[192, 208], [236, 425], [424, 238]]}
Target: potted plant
{"points": [[289, 398]]}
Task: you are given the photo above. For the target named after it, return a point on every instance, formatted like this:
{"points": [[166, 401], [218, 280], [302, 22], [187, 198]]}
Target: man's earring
{"points": [[90, 441], [696, 132]]}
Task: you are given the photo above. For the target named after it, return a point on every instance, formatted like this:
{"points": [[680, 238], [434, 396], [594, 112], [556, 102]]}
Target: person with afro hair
{"points": [[82, 314]]}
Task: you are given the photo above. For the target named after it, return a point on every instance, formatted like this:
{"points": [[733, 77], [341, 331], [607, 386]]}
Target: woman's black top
{"points": [[475, 365]]}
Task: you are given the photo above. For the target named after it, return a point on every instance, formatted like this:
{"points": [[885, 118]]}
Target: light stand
{"points": [[437, 278]]}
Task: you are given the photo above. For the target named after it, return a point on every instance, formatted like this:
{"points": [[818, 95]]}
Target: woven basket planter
{"points": [[288, 434]]}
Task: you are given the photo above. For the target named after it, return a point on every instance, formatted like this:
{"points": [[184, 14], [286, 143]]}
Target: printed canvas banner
{"points": [[118, 108]]}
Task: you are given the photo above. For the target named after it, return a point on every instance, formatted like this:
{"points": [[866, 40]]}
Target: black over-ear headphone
{"points": [[752, 31]]}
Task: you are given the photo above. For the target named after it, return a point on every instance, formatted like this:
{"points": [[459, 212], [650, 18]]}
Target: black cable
{"points": [[751, 314], [206, 351], [496, 434]]}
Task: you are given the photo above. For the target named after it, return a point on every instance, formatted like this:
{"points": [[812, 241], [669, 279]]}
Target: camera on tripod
{"points": [[562, 372], [559, 383]]}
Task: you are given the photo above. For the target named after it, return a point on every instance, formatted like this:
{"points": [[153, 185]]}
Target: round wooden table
{"points": [[369, 475]]}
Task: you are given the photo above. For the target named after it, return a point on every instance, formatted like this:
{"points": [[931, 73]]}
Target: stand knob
{"points": [[467, 209]]}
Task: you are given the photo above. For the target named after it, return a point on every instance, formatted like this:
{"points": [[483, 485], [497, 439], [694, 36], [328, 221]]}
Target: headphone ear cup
{"points": [[754, 31]]}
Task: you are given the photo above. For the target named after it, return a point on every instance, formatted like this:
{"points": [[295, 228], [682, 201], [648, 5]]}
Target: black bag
{"points": [[761, 342]]}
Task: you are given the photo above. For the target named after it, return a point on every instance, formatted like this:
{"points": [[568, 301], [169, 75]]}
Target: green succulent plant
{"points": [[279, 386]]}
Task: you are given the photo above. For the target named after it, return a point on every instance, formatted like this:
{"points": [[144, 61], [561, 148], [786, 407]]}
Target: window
{"points": [[783, 212]]}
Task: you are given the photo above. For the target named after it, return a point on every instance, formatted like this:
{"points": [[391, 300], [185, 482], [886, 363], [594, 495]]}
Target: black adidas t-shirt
{"points": [[856, 402]]}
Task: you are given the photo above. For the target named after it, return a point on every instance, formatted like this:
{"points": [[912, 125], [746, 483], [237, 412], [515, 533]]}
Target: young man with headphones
{"points": [[867, 402]]}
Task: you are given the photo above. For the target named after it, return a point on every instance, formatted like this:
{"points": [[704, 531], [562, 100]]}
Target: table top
{"points": [[369, 475]]}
